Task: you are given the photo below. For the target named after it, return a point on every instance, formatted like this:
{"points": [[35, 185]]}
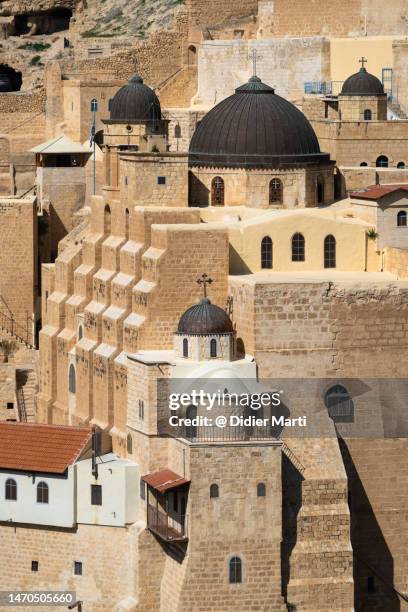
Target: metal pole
{"points": [[94, 152]]}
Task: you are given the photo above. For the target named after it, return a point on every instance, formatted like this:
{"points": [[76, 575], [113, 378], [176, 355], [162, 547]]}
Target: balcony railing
{"points": [[171, 528]]}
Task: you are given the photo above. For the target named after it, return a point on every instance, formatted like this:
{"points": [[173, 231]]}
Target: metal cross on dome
{"points": [[363, 61], [205, 280], [254, 56]]}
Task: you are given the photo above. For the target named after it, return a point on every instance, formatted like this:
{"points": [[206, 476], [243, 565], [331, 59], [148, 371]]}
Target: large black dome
{"points": [[135, 102], [362, 83], [255, 127], [205, 319]]}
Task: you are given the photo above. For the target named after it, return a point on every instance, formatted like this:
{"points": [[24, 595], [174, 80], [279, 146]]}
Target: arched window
{"points": [[320, 190], [402, 218], [80, 332], [127, 224], [213, 348], [339, 404], [214, 490], [298, 247], [217, 191], [42, 493], [266, 253], [275, 191], [72, 379], [367, 115], [401, 165], [129, 444], [11, 489], [185, 347], [330, 252], [192, 55], [261, 489], [191, 430], [382, 162], [235, 570], [107, 220], [364, 164], [177, 131]]}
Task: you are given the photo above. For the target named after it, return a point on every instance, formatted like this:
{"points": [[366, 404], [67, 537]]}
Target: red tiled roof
{"points": [[376, 192], [41, 448], [164, 480]]}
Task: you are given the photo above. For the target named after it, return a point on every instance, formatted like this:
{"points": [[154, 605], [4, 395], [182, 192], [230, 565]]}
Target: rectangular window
{"points": [[142, 489], [78, 568], [141, 410], [161, 180], [34, 566], [96, 495], [10, 405]]}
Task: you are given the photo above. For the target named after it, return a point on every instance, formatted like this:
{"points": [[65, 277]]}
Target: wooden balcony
{"points": [[170, 528]]}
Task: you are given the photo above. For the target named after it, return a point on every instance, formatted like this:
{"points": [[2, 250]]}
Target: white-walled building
{"points": [[48, 478]]}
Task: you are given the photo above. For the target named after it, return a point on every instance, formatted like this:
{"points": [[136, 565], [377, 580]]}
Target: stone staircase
{"points": [[26, 390], [398, 110], [179, 89]]}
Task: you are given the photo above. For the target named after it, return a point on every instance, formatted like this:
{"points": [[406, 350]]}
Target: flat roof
{"points": [[318, 276]]}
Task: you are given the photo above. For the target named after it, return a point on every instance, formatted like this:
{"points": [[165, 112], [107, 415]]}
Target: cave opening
{"points": [[10, 79], [48, 22]]}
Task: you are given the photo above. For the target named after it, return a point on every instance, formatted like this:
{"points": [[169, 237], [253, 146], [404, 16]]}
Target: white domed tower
{"points": [[205, 332]]}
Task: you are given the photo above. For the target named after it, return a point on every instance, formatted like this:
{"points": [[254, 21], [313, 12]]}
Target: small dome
{"points": [[255, 128], [135, 102], [205, 319], [362, 83]]}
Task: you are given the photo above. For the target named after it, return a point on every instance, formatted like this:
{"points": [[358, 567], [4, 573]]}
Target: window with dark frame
{"points": [[214, 491], [275, 191], [185, 347], [213, 348], [42, 493], [298, 247], [330, 252], [78, 568], [10, 405], [141, 409], [261, 489], [161, 180], [11, 489], [217, 191], [96, 495], [266, 253], [34, 566], [367, 114], [235, 570], [402, 219]]}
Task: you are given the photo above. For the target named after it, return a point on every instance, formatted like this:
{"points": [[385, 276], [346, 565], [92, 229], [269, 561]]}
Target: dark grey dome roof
{"points": [[362, 83], [255, 127], [205, 319], [135, 102]]}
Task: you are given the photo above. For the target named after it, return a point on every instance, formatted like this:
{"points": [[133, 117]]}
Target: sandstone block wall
{"points": [[18, 269]]}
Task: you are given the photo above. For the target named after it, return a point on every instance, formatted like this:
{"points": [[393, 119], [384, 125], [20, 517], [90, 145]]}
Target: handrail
{"points": [[18, 331], [292, 457]]}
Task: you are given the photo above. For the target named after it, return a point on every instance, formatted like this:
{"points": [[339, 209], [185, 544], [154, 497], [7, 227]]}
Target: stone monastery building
{"points": [[297, 284], [238, 223]]}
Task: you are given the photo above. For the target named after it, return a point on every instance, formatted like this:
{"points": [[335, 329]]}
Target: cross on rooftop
{"points": [[363, 61], [205, 280], [254, 56]]}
